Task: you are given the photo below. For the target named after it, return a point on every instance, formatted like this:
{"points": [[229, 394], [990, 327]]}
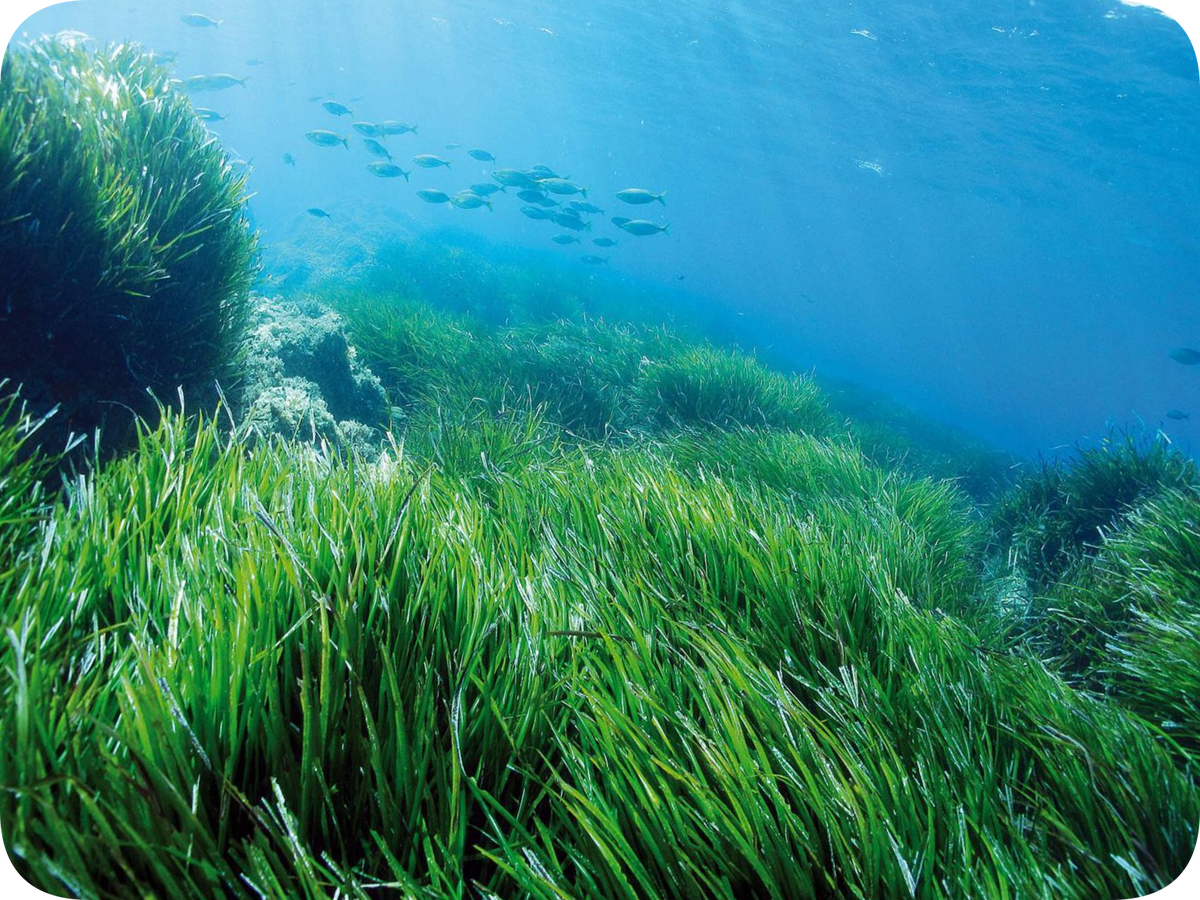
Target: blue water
{"points": [[988, 209]]}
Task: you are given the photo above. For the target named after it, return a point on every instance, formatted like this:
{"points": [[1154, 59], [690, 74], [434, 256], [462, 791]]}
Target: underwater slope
{"points": [[498, 661]]}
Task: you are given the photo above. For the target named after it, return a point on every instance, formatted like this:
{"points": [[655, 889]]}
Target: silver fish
{"points": [[561, 186], [484, 190], [637, 196], [593, 260], [565, 239], [376, 149], [209, 115], [323, 138], [196, 20], [642, 227], [515, 178], [573, 222], [537, 198], [338, 109], [604, 242], [390, 126], [429, 161], [218, 82], [1177, 414], [481, 155], [470, 200], [368, 129], [620, 221], [318, 212], [434, 196], [386, 169], [535, 212], [580, 206]]}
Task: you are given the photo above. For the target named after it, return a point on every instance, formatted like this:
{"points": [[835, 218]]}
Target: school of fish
{"points": [[536, 188]]}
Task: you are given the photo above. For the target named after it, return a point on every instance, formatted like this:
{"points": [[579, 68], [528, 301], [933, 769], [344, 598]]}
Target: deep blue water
{"points": [[988, 209]]}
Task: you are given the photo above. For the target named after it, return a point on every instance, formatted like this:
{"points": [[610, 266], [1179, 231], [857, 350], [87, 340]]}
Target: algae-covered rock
{"points": [[292, 408], [304, 380]]}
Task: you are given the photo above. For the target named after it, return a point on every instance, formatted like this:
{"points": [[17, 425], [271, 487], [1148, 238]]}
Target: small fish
{"points": [[218, 82], [209, 115], [470, 200], [315, 97], [535, 212], [196, 20], [484, 190], [1177, 414], [573, 222], [318, 212], [642, 227], [1185, 355], [515, 178], [376, 149], [386, 170], [565, 239], [561, 186], [289, 159], [453, 146], [434, 196], [584, 207], [593, 260], [429, 161], [165, 56], [620, 221], [481, 155], [368, 129], [604, 242], [254, 61], [390, 126], [637, 195], [323, 138], [541, 171], [338, 109], [537, 198]]}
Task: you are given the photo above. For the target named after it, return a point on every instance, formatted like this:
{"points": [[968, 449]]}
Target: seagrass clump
{"points": [[125, 250]]}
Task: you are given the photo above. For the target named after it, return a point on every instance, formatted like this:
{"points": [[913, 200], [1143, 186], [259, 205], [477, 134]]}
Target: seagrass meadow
{"points": [[612, 614]]}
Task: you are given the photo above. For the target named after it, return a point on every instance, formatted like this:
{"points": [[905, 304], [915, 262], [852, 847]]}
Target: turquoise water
{"points": [[988, 210]]}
